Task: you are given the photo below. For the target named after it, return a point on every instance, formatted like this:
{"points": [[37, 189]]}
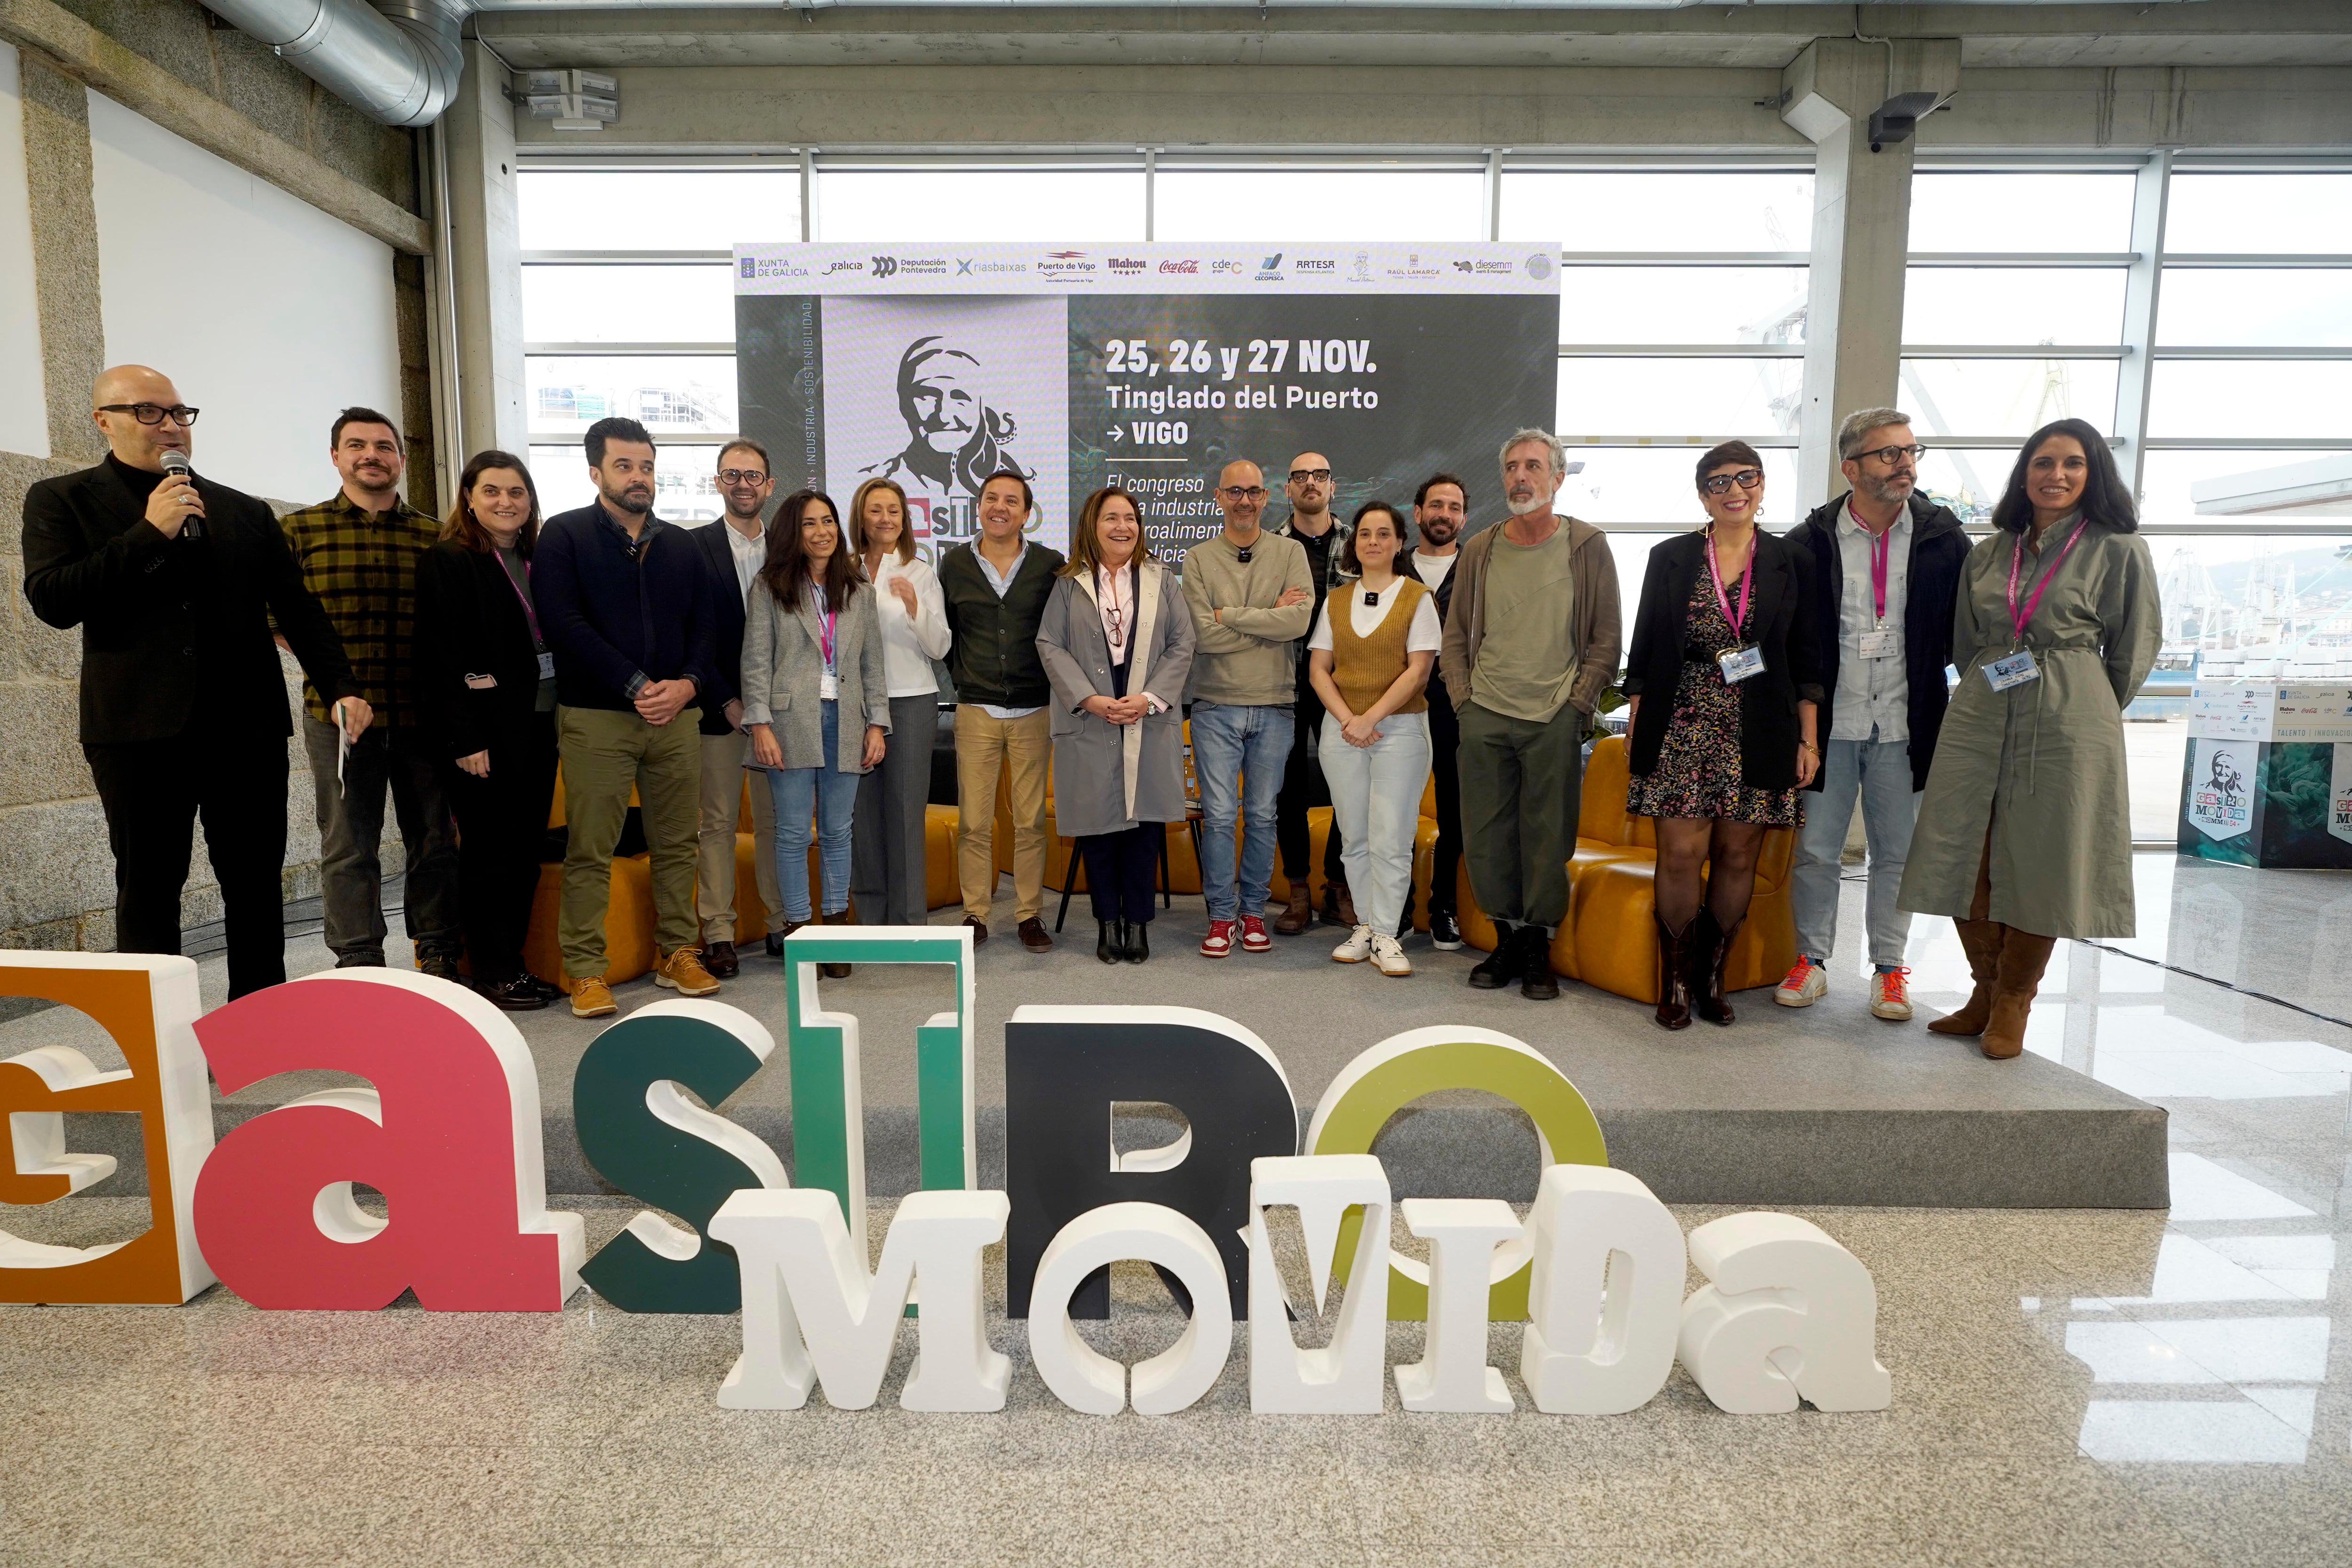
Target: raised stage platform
{"points": [[1820, 1106]]}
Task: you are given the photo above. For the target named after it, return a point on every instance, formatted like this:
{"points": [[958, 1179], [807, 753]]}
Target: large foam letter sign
{"points": [[1464, 1235], [1607, 1293], [1343, 1378], [1065, 1067], [1787, 1314], [148, 1006], [1082, 1377], [1403, 1068], [828, 1096], [641, 1133], [448, 1133], [811, 1313]]}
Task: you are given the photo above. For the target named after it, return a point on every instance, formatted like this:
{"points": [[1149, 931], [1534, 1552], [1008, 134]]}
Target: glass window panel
{"points": [[1320, 206], [2165, 478], [1968, 480], [1659, 484], [1715, 398], [686, 484], [657, 209], [2005, 396], [2277, 214], [629, 305], [2009, 305], [2013, 211], [943, 206], [2306, 307], [1661, 210], [672, 395], [1683, 305], [2251, 398], [2255, 603]]}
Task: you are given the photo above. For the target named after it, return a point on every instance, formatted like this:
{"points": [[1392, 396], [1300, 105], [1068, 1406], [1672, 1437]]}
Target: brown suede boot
{"points": [[1981, 940], [1673, 975], [1341, 906], [2024, 956], [837, 971], [1299, 914]]}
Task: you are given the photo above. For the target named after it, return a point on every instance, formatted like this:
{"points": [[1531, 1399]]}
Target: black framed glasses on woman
{"points": [[153, 413], [1746, 478]]}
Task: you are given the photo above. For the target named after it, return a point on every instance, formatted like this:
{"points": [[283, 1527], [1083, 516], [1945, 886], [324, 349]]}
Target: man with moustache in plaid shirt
{"points": [[358, 552]]}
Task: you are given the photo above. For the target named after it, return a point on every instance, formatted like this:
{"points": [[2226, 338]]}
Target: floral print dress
{"points": [[1699, 772]]}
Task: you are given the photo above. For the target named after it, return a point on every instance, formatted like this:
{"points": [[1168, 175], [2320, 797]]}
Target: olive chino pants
{"points": [[604, 752], [1522, 787]]}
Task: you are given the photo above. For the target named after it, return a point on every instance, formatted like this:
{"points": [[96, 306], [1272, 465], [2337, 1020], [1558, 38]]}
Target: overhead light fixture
{"points": [[1894, 120], [573, 100]]}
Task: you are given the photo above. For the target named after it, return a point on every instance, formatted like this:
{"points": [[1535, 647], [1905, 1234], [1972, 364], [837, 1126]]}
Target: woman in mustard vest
{"points": [[1368, 658]]}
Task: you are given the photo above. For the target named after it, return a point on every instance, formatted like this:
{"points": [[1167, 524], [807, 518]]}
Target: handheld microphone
{"points": [[176, 466]]}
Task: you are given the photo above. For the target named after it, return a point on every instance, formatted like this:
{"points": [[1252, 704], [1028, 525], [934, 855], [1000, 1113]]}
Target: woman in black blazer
{"points": [[485, 690], [1724, 644]]}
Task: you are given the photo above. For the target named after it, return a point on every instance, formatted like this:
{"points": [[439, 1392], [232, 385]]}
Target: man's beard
{"points": [[627, 503], [1532, 504], [1882, 490], [1430, 532]]}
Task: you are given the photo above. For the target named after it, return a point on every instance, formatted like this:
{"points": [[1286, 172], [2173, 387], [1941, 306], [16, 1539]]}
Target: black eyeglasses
{"points": [[1235, 492], [1746, 478], [153, 413], [741, 477], [1890, 456], [1303, 476]]}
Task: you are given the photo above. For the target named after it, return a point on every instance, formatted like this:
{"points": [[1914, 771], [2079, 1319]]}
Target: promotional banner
{"points": [[1149, 366], [2267, 773]]}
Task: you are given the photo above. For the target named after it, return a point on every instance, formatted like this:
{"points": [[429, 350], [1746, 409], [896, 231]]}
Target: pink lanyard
{"points": [[530, 616], [2033, 599], [824, 621], [1747, 579], [1881, 546]]}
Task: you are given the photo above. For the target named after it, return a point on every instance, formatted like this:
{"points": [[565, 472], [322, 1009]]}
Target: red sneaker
{"points": [[1254, 937], [1218, 943]]}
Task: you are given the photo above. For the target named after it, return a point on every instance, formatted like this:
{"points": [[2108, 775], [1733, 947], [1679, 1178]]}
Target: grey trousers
{"points": [[887, 878], [350, 832]]}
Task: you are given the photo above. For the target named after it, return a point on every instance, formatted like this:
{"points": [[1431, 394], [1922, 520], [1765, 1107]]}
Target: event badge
{"points": [[2014, 670], [1878, 644], [547, 667], [828, 686], [1741, 664]]}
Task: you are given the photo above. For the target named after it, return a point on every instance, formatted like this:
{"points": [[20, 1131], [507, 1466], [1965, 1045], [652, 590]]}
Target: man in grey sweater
{"points": [[1251, 595]]}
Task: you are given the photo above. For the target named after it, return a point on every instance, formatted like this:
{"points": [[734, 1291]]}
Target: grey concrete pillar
{"points": [[65, 254], [1862, 219], [486, 261]]}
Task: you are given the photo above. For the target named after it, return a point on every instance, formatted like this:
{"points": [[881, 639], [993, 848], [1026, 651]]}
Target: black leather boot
{"points": [[1500, 967], [1673, 975], [1536, 981], [1110, 941], [1138, 941], [1710, 952]]}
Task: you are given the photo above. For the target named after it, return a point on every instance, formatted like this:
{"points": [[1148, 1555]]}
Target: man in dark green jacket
{"points": [[996, 589]]}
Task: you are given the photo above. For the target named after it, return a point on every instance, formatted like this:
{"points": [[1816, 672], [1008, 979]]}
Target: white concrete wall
{"points": [[268, 314], [24, 410]]}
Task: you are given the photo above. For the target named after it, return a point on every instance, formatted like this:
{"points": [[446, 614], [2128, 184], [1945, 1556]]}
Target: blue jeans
{"points": [[1236, 748], [1880, 772], [828, 795]]}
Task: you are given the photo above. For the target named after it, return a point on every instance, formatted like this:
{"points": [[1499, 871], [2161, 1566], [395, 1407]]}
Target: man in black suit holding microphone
{"points": [[174, 581]]}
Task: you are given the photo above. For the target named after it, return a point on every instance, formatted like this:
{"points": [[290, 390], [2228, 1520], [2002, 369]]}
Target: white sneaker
{"points": [[1803, 986], [1389, 954], [1356, 948]]}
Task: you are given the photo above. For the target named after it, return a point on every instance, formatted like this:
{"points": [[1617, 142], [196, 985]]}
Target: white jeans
{"points": [[1376, 799]]}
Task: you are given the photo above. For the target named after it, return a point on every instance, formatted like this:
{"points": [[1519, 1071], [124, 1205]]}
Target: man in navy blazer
{"points": [[733, 551]]}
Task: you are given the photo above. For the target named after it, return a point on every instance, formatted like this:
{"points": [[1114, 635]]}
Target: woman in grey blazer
{"points": [[813, 652], [1117, 643]]}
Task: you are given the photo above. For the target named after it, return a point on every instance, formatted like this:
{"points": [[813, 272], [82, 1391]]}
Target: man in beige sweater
{"points": [[1251, 595], [1528, 649]]}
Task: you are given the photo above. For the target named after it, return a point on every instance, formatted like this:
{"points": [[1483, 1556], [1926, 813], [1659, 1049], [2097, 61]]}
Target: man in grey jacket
{"points": [[1251, 595]]}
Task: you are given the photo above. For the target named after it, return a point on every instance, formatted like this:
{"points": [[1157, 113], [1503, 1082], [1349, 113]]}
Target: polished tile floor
{"points": [[2069, 1386]]}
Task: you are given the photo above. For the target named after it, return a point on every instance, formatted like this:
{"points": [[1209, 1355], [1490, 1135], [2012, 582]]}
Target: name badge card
{"points": [[547, 667], [1878, 644], [1741, 664], [2014, 670], [828, 686]]}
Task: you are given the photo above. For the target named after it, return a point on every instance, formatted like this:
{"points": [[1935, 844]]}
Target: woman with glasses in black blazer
{"points": [[1724, 682]]}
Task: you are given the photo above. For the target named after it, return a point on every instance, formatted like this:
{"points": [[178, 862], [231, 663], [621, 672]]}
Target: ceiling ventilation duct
{"points": [[400, 60]]}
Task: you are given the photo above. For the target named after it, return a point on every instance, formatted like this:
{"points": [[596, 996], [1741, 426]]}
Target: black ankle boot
{"points": [[1500, 967], [1673, 975], [1710, 952], [1536, 981], [1138, 941], [1110, 941]]}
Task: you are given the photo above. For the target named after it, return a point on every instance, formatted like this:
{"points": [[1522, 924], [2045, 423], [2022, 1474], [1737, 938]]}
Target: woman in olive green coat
{"points": [[2024, 833]]}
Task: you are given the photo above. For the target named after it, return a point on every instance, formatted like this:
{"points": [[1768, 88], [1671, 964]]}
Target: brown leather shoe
{"points": [[593, 999], [1710, 952], [1339, 904], [1673, 975], [978, 930], [720, 960], [837, 971], [1032, 935], [1981, 940], [682, 972], [1299, 914], [2024, 956]]}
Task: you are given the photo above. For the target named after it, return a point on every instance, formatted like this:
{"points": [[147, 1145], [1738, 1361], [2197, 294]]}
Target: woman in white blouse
{"points": [[887, 866], [1369, 667]]}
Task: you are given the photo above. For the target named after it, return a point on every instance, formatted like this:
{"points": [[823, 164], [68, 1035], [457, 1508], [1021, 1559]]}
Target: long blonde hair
{"points": [[857, 519], [1086, 541]]}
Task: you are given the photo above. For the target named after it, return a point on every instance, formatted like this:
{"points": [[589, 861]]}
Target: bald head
{"points": [[115, 398], [1241, 496]]}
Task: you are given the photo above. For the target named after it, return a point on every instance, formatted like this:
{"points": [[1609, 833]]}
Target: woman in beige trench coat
{"points": [[2024, 833]]}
